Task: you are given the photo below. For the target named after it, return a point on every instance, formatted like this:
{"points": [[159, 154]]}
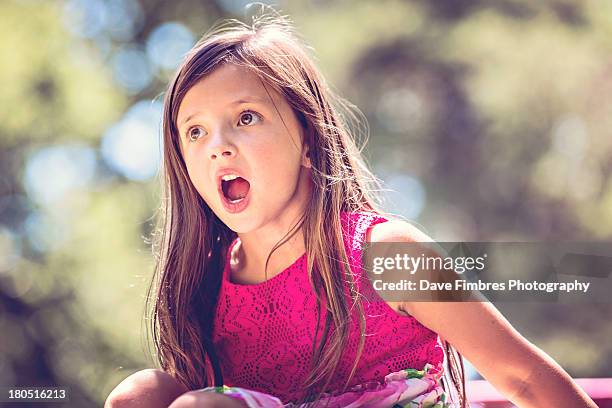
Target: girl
{"points": [[261, 299]]}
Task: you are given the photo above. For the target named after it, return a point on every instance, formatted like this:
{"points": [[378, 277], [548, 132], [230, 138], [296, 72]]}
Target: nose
{"points": [[221, 147], [227, 152]]}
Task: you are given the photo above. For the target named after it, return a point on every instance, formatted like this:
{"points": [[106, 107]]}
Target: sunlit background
{"points": [[489, 121]]}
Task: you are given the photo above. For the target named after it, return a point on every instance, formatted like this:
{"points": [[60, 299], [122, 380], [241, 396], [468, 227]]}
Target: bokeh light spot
{"points": [[132, 146], [54, 171], [131, 69], [86, 18], [407, 196], [168, 43]]}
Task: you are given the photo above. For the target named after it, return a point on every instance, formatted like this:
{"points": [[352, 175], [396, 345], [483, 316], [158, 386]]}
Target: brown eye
{"points": [[195, 133], [248, 118]]}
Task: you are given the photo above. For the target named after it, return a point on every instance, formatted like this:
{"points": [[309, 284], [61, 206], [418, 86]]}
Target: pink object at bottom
{"points": [[406, 388]]}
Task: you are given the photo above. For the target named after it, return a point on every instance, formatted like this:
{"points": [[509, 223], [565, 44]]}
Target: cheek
{"points": [[199, 175], [278, 153], [281, 169]]}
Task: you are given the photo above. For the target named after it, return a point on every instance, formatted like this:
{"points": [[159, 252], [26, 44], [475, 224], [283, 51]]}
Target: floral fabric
{"points": [[409, 388]]}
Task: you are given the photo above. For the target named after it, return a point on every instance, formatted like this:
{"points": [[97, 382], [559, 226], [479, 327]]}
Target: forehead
{"points": [[226, 85]]}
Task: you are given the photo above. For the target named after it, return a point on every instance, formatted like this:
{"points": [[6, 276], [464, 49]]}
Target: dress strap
{"points": [[363, 222]]}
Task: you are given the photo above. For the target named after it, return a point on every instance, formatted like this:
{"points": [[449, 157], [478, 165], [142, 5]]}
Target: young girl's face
{"points": [[243, 147]]}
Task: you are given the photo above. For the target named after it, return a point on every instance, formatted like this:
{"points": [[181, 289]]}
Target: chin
{"points": [[239, 223]]}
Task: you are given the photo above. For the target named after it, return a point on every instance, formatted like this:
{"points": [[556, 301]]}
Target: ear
{"points": [[307, 139], [306, 156]]}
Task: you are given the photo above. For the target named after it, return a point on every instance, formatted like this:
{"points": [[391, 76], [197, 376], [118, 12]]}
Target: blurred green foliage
{"points": [[498, 112], [54, 86]]}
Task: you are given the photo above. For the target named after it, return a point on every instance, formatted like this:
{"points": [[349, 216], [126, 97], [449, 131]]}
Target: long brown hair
{"points": [[191, 241]]}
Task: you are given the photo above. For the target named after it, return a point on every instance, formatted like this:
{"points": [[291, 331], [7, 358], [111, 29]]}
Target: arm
{"points": [[522, 372], [526, 375]]}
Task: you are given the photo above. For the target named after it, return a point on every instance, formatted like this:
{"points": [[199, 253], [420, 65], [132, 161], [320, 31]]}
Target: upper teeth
{"points": [[229, 177]]}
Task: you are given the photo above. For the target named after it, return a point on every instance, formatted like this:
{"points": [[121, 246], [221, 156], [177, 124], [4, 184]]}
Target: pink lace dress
{"points": [[264, 334]]}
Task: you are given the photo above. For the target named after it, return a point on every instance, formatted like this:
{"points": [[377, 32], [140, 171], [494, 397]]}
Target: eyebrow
{"points": [[251, 99]]}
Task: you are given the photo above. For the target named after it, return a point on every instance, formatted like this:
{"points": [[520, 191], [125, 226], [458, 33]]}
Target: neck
{"points": [[250, 256]]}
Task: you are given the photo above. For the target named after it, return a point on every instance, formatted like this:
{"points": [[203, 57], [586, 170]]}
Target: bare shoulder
{"points": [[478, 331], [396, 231]]}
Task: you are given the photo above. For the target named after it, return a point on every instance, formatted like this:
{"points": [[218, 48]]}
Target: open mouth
{"points": [[234, 188]]}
